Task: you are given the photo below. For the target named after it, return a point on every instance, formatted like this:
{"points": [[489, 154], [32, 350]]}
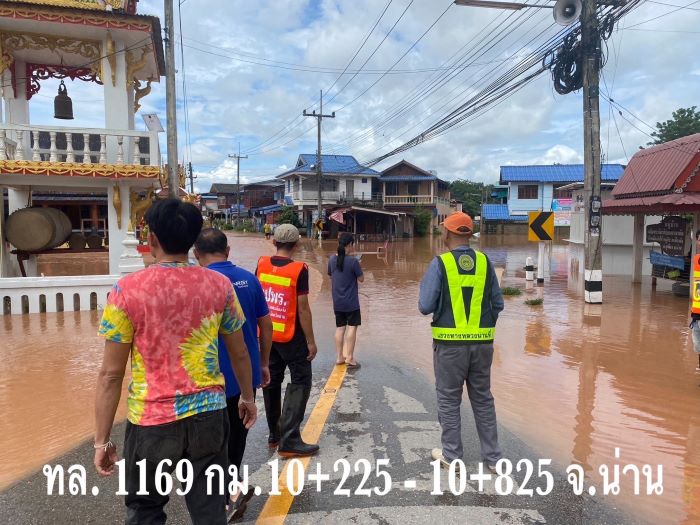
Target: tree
{"points": [[421, 220], [288, 216], [685, 121], [470, 194]]}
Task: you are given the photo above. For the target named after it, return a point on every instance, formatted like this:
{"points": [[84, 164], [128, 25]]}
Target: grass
{"points": [[509, 290], [534, 302]]}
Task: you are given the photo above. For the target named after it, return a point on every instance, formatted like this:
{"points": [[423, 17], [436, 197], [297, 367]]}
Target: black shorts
{"points": [[348, 318]]}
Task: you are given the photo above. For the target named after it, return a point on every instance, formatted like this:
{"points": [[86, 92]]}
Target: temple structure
{"points": [[99, 41]]}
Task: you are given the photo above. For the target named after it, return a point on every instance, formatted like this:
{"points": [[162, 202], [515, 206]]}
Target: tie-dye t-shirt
{"points": [[172, 315]]}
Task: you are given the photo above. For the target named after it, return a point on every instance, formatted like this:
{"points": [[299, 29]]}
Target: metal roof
{"points": [[656, 169], [407, 178], [268, 209], [499, 212], [331, 164], [223, 188], [653, 204], [556, 173]]}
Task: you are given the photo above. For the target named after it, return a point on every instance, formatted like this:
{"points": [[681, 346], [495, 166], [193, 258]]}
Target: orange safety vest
{"points": [[279, 283], [695, 308]]}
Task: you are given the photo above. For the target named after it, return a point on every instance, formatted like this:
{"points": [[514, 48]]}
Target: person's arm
{"points": [[430, 288], [306, 324], [240, 362], [107, 395], [265, 327], [497, 304]]}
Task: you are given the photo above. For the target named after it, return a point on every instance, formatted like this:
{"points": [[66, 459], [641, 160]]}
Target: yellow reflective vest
{"points": [[463, 272]]}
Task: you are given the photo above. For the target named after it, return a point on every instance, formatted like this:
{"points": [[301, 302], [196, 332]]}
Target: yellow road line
{"points": [[277, 507]]}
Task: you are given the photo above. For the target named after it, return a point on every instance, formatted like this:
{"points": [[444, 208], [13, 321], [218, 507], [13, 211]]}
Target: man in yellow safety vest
{"points": [[461, 290], [695, 301]]}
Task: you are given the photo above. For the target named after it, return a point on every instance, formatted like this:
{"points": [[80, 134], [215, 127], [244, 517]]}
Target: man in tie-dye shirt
{"points": [[168, 318]]}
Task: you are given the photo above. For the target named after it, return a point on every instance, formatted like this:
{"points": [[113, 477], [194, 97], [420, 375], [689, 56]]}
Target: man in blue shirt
{"points": [[212, 251]]}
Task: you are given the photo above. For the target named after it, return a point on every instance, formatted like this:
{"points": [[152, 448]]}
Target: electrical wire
{"points": [[665, 14]]}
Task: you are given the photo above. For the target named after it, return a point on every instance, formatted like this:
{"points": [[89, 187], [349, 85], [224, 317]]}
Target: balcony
{"points": [[59, 151], [414, 200]]}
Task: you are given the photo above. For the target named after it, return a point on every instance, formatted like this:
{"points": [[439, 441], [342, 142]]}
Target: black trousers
{"points": [[238, 433], [201, 439], [292, 356]]}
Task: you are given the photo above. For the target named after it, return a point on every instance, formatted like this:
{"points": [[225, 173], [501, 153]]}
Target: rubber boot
{"points": [[272, 396], [291, 444]]}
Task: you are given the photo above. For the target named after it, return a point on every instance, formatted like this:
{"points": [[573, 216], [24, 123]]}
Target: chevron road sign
{"points": [[540, 226]]}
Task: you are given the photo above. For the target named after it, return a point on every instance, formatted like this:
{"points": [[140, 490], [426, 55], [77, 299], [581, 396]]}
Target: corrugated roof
{"points": [[499, 212], [223, 188], [407, 178], [556, 173], [656, 169], [332, 165], [653, 204]]}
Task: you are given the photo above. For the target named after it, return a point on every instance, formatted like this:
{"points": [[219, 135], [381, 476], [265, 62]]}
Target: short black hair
{"points": [[288, 246], [175, 223], [211, 240]]}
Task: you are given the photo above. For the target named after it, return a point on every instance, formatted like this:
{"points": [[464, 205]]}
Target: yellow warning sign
{"points": [[540, 226]]}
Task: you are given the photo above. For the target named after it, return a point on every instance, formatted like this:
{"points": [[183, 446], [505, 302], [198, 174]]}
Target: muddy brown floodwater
{"points": [[573, 382]]}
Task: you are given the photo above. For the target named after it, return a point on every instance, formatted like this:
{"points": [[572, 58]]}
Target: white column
{"points": [[4, 245], [17, 198], [130, 260], [119, 114], [117, 235], [637, 247]]}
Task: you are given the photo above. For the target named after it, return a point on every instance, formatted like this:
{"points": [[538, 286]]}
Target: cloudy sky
{"points": [[252, 67]]}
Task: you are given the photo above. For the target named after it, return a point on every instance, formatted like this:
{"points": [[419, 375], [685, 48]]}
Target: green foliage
{"points": [[511, 291], [421, 220], [685, 121], [471, 194], [288, 216], [534, 302], [244, 226]]}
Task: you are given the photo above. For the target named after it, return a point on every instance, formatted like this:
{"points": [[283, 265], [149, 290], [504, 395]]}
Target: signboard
{"points": [[540, 226], [670, 261], [562, 211], [672, 234]]}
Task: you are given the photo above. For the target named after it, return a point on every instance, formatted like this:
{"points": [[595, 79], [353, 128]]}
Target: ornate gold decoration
{"points": [[134, 65], [117, 203], [97, 5], [138, 204], [78, 169], [114, 21], [11, 42], [112, 57], [140, 92]]}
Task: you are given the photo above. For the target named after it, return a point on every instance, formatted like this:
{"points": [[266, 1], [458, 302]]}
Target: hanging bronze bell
{"points": [[62, 104]]}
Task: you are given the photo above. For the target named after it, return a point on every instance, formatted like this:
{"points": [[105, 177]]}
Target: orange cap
{"points": [[459, 223]]}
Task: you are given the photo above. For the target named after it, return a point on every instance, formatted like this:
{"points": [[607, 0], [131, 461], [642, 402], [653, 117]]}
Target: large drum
{"points": [[36, 229]]}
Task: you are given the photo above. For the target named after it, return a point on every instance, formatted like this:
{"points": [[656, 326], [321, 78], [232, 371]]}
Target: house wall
{"points": [[360, 188], [543, 201]]}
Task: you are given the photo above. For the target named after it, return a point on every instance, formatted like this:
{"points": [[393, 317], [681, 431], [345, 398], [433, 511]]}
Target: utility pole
{"points": [[593, 237], [238, 158], [171, 100], [191, 177], [319, 171]]}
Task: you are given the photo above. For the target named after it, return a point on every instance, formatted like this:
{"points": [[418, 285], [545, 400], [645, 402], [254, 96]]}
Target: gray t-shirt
{"points": [[345, 294]]}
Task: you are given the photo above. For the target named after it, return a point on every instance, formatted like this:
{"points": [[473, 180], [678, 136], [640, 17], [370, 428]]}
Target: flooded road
{"points": [[573, 382]]}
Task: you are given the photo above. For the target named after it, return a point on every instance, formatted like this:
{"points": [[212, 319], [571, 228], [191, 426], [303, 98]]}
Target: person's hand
{"points": [[313, 350], [248, 412], [265, 376], [105, 460]]}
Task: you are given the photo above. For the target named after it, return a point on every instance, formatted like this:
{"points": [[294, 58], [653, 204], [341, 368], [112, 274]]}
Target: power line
{"points": [[665, 14]]}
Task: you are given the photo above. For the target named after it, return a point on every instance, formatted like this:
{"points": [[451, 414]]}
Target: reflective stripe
{"points": [[695, 286], [465, 329], [277, 327], [274, 279]]}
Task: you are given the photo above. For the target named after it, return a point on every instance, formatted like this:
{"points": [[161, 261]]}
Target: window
{"points": [[528, 191], [412, 188], [289, 185], [561, 194], [364, 181]]}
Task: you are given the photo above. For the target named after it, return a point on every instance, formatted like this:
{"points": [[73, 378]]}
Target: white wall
{"points": [[543, 201], [617, 229]]}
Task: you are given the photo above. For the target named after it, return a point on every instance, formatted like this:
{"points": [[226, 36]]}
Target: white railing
{"points": [[311, 195], [83, 145], [408, 199], [55, 294]]}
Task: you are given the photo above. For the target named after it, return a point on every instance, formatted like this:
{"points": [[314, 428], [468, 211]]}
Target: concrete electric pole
{"points": [[319, 171], [191, 176], [171, 101], [238, 158], [593, 235]]}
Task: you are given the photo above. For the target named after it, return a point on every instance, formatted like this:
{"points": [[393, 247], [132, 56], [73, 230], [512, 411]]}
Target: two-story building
{"points": [[344, 181], [406, 187]]}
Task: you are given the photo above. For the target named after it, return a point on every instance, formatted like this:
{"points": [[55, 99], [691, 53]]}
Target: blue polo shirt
{"points": [[252, 299]]}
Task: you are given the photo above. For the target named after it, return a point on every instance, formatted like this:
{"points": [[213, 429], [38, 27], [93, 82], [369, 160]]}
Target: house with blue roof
{"points": [[540, 187], [344, 181]]}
